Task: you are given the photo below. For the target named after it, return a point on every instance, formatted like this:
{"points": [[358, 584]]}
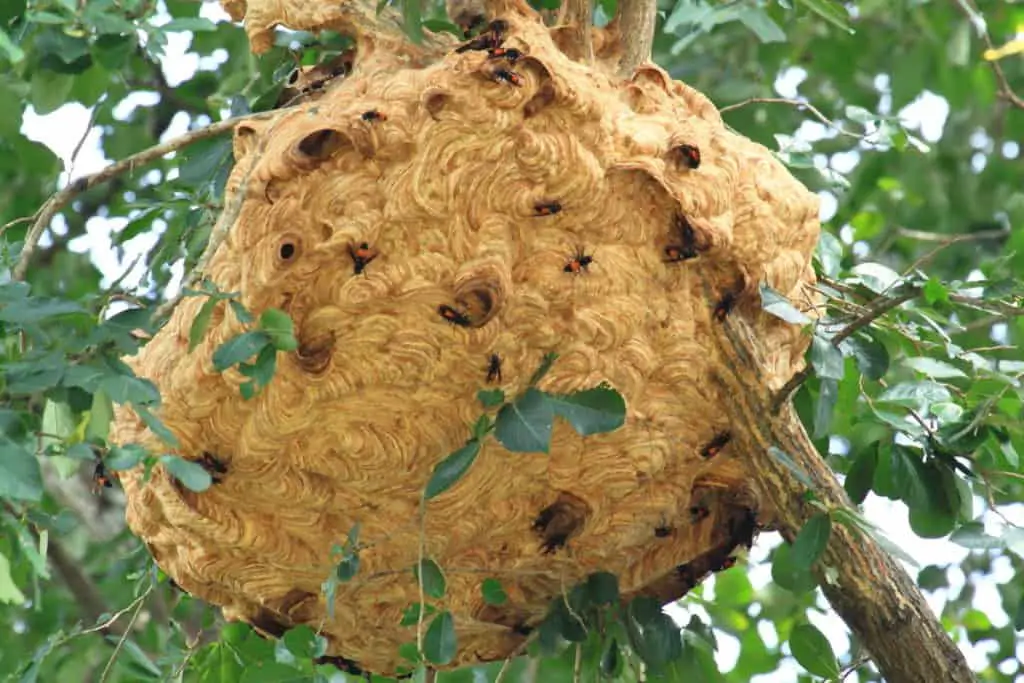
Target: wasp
{"points": [[715, 446], [510, 77], [687, 248], [687, 155], [698, 513], [100, 479], [725, 306], [213, 466], [494, 368], [546, 208], [453, 316], [492, 37], [373, 115], [663, 530], [579, 263], [510, 54], [361, 256]]}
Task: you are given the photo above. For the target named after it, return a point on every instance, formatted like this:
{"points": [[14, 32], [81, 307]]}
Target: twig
{"points": [[874, 310], [579, 15], [981, 235], [72, 190], [85, 134], [120, 643], [419, 574], [970, 11], [636, 21], [799, 104], [120, 613]]}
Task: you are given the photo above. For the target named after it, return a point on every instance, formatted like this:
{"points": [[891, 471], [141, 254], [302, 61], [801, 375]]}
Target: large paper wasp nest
{"points": [[414, 221]]}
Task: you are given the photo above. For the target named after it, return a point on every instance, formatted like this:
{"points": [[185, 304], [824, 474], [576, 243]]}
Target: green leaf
{"points": [[493, 593], [871, 355], [787, 461], [126, 389], [411, 615], [787, 574], [973, 537], [936, 503], [490, 398], [811, 649], [81, 452], [861, 474], [811, 541], [830, 11], [654, 635], [826, 359], [591, 411], [412, 14], [9, 592], [278, 325], [20, 478], [439, 644], [776, 303], [451, 469], [1018, 619], [157, 426], [301, 641], [758, 21], [15, 55], [862, 116], [935, 369], [347, 568], [49, 90], [525, 425], [603, 588], [271, 672], [191, 474], [240, 311], [824, 410], [239, 349], [124, 457], [430, 575], [545, 365], [201, 323], [189, 24], [261, 371], [32, 310]]}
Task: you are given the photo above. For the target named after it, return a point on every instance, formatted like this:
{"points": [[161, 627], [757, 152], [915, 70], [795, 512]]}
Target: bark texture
{"points": [[872, 593]]}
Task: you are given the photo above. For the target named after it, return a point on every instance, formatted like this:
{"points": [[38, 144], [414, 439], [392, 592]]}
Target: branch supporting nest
{"points": [[636, 22], [871, 592]]}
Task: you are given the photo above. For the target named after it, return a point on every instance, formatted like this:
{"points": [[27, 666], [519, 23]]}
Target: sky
{"points": [[64, 129]]}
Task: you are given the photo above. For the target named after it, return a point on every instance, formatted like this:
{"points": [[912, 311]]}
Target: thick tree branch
{"points": [[636, 22], [579, 15], [871, 592]]}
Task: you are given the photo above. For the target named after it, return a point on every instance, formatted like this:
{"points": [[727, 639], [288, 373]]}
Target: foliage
{"points": [[913, 392]]}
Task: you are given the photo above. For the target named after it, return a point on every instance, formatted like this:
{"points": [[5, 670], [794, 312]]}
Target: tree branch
{"points": [[799, 104], [1003, 85], [636, 22], [579, 15], [870, 591], [66, 195]]}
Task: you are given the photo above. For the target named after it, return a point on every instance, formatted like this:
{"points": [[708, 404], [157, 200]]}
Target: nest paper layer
{"points": [[444, 187]]}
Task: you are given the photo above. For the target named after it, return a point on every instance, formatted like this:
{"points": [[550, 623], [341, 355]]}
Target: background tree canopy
{"points": [[905, 115]]}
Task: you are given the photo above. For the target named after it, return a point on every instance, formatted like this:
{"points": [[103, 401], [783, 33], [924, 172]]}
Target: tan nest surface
{"points": [[447, 188]]}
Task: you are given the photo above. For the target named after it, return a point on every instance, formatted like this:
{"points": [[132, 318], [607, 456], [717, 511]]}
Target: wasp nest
{"points": [[422, 225]]}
